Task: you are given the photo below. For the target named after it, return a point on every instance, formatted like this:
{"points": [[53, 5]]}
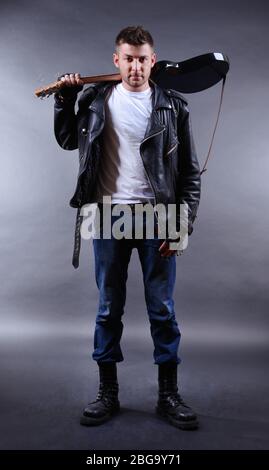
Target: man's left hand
{"points": [[165, 251]]}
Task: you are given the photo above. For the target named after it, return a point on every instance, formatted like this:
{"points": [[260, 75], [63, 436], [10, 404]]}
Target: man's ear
{"points": [[154, 59], [115, 59]]}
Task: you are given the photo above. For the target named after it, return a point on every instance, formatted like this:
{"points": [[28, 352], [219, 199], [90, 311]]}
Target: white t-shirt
{"points": [[121, 173]]}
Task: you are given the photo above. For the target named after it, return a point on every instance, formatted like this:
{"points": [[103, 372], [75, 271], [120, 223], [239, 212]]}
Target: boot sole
{"points": [[186, 425], [90, 421]]}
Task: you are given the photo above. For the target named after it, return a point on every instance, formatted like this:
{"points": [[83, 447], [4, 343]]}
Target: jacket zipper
{"points": [[153, 190], [171, 150]]}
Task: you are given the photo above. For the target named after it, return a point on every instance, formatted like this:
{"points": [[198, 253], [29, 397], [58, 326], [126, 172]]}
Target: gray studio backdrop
{"points": [[221, 294]]}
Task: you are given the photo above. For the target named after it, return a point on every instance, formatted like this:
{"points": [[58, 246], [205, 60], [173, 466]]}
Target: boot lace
{"points": [[175, 399], [107, 394]]}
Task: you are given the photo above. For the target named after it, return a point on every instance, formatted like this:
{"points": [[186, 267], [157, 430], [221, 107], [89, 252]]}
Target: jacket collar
{"points": [[160, 99]]}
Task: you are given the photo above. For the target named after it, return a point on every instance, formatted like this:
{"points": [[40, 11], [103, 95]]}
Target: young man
{"points": [[136, 146]]}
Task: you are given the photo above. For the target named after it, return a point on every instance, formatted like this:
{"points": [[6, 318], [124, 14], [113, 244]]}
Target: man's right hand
{"points": [[71, 79], [72, 85]]}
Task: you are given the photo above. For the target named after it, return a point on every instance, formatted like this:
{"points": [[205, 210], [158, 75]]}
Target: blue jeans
{"points": [[112, 257]]}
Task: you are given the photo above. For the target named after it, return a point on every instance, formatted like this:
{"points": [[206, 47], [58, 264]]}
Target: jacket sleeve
{"points": [[65, 121], [189, 187]]}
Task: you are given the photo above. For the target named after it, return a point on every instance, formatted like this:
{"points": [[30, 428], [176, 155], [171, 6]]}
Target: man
{"points": [[136, 146]]}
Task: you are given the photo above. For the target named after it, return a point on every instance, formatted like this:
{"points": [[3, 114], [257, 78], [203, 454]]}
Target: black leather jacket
{"points": [[167, 150]]}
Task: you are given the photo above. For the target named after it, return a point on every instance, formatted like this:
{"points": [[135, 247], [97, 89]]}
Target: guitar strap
{"points": [[210, 146]]}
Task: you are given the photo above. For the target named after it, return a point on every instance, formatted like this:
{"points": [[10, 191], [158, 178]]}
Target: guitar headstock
{"points": [[48, 90]]}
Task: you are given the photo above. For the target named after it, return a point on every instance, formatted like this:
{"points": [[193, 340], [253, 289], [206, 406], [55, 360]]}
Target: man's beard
{"points": [[136, 82]]}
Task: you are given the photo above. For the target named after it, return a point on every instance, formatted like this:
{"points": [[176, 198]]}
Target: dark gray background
{"points": [[48, 309]]}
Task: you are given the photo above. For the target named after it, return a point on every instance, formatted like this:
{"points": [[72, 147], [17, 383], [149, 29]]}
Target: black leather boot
{"points": [[170, 404], [106, 403]]}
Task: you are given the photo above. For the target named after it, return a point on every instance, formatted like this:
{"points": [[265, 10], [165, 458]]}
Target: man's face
{"points": [[135, 64]]}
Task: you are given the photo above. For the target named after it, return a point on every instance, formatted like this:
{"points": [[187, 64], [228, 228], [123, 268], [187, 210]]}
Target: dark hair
{"points": [[134, 35]]}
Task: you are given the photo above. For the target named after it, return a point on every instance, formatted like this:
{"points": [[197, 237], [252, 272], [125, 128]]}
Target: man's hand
{"points": [[72, 79], [72, 86], [165, 251]]}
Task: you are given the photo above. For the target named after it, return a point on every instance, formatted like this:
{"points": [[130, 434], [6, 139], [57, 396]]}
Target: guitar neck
{"points": [[100, 78], [56, 86]]}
